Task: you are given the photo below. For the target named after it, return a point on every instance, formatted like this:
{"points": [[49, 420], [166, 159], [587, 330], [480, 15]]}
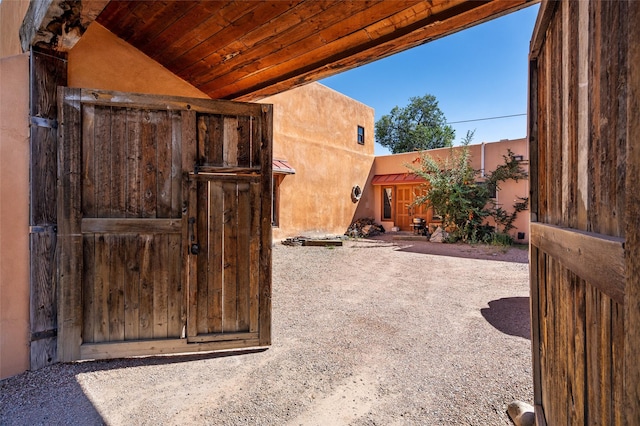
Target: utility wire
{"points": [[488, 118]]}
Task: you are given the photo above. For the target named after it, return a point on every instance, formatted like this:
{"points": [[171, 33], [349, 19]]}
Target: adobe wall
{"points": [[11, 15], [100, 60], [493, 156], [14, 214], [315, 130]]}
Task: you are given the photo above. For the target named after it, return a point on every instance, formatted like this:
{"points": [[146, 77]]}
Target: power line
{"points": [[487, 118]]}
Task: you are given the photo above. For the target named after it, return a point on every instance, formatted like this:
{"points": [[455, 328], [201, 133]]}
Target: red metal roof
{"points": [[283, 167], [397, 179]]}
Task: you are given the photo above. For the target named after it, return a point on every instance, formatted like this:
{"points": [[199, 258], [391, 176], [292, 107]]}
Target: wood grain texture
{"points": [[579, 125], [111, 225], [266, 156], [215, 276], [243, 256], [69, 214], [47, 72], [134, 240], [631, 404], [230, 260], [599, 259], [159, 347]]}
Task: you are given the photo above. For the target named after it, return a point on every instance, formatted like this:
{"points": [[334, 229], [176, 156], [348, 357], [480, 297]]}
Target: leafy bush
{"points": [[462, 197]]}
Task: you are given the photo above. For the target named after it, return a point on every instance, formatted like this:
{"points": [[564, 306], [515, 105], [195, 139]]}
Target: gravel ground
{"points": [[377, 332]]}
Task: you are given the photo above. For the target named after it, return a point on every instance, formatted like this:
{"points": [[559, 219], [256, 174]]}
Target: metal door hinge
{"points": [[44, 122]]}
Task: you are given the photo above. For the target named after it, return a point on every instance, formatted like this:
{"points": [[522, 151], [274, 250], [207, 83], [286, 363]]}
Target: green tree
{"points": [[419, 126]]}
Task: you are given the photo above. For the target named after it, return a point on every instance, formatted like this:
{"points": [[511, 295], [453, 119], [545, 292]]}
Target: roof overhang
{"points": [[247, 50], [283, 167], [397, 179]]}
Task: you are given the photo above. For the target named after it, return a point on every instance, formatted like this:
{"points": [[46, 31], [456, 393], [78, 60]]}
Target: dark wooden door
{"points": [[164, 224]]}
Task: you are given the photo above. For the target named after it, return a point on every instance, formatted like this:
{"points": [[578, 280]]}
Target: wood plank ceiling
{"points": [[246, 50]]}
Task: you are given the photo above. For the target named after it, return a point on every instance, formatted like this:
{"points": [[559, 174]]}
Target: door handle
{"points": [[194, 247]]}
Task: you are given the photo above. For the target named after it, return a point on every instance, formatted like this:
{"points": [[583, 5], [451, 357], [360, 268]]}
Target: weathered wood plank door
{"points": [[224, 230], [164, 224], [585, 222]]}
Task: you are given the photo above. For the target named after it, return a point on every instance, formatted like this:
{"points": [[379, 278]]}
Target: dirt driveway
{"points": [[371, 333]]}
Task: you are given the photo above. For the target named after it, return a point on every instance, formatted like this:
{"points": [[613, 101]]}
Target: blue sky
{"points": [[477, 73]]}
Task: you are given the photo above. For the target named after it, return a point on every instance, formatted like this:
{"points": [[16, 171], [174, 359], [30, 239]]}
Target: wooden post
{"points": [[265, 246], [48, 70]]}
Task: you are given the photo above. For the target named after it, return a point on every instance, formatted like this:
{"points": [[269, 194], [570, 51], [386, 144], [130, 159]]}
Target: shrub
{"points": [[462, 197]]}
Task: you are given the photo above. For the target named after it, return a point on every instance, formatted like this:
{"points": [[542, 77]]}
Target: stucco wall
{"points": [[11, 15], [100, 60], [315, 129], [14, 215], [493, 156]]}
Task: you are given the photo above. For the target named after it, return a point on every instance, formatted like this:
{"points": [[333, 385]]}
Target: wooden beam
{"points": [[265, 274], [141, 226], [58, 24], [222, 337], [596, 258], [547, 9], [110, 350], [69, 227], [162, 103]]}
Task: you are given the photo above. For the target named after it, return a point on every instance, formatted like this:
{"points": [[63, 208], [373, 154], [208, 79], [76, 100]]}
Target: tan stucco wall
{"points": [[11, 15], [493, 156], [100, 60], [14, 215], [315, 129]]}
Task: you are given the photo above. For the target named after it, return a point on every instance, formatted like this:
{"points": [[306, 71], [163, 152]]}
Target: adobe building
{"points": [[327, 139], [392, 187]]}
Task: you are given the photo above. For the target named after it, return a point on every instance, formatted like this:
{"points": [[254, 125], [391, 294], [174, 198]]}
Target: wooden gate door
{"points": [[164, 209], [585, 212]]}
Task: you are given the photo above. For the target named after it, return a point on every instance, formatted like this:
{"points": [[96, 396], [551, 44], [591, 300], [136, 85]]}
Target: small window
{"points": [[387, 199], [361, 135]]}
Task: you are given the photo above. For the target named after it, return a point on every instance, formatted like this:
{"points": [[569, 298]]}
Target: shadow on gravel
{"points": [[509, 315], [466, 251], [56, 397]]}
